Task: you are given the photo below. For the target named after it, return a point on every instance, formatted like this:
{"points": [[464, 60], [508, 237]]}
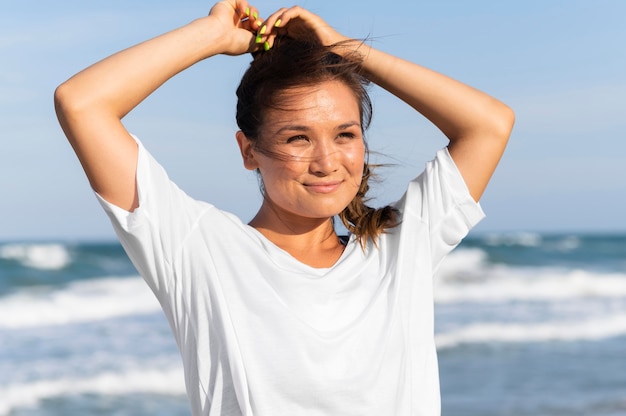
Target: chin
{"points": [[320, 212]]}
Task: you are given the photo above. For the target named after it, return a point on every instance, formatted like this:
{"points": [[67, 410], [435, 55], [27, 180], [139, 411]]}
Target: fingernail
{"points": [[278, 22], [247, 11], [258, 39], [263, 29], [255, 15], [266, 46]]}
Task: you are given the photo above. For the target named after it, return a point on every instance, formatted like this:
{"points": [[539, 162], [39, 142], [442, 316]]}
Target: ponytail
{"points": [[364, 221]]}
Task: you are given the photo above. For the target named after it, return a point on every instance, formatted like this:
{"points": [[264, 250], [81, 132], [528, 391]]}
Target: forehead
{"points": [[326, 102]]}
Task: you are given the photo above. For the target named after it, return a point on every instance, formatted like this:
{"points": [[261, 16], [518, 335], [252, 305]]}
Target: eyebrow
{"points": [[296, 127]]}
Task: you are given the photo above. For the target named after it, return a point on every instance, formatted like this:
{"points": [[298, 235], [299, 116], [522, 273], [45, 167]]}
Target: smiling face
{"points": [[310, 152]]}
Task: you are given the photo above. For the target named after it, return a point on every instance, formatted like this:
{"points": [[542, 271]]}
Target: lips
{"points": [[323, 187]]}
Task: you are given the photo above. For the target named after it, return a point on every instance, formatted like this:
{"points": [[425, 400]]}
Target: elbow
{"points": [[72, 107], [494, 126], [66, 108], [64, 101], [502, 121], [73, 97]]}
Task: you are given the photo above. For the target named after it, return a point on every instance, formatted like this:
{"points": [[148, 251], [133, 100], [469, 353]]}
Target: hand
{"points": [[297, 23], [238, 23]]}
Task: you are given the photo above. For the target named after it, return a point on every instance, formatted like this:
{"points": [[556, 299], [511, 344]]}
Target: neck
{"points": [[312, 241]]}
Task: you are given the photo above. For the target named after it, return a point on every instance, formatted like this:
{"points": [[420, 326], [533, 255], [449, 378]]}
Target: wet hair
{"points": [[291, 64]]}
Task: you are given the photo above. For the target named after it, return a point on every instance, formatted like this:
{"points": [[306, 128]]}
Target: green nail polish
{"points": [[255, 15], [263, 29], [278, 22], [258, 39], [266, 46], [247, 11]]}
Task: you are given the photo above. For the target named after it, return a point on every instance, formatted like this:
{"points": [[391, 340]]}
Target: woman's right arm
{"points": [[91, 104]]}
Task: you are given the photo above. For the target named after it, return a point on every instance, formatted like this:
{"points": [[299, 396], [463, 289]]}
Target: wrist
{"points": [[208, 36], [219, 37]]}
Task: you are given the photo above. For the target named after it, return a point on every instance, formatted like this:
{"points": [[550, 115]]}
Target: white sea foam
{"points": [[565, 243], [164, 382], [81, 301], [464, 264], [480, 333], [568, 243], [525, 239], [38, 256], [466, 276], [542, 285]]}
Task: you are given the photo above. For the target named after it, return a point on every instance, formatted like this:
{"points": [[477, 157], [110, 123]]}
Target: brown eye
{"points": [[346, 137], [297, 138]]}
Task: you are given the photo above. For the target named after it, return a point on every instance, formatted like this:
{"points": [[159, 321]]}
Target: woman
{"points": [[280, 316]]}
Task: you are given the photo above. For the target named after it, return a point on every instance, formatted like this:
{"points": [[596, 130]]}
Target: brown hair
{"points": [[291, 64]]}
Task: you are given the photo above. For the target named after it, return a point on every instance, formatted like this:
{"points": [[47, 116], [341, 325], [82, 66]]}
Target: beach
{"points": [[526, 324]]}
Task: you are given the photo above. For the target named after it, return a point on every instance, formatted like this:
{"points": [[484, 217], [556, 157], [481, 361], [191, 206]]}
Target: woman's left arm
{"points": [[477, 125]]}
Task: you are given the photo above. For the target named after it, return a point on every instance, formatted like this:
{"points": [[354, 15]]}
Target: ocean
{"points": [[526, 324]]}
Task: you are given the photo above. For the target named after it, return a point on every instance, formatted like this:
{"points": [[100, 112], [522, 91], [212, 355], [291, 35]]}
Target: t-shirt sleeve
{"points": [[152, 233], [440, 200]]}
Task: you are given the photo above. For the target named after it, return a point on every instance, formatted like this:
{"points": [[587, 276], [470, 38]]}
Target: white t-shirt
{"points": [[262, 334]]}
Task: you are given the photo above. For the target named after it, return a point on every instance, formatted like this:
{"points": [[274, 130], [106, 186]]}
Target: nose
{"points": [[324, 158]]}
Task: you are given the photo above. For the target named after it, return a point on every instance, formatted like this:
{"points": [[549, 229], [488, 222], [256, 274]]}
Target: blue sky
{"points": [[561, 65]]}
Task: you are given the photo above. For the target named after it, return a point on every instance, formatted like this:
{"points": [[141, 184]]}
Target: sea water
{"points": [[526, 324]]}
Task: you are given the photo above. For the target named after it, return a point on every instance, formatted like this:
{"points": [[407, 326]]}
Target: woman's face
{"points": [[316, 151]]}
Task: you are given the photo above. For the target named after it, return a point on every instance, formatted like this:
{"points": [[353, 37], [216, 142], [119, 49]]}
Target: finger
{"points": [[269, 28], [243, 9], [286, 15], [300, 23], [275, 19], [243, 12], [255, 19]]}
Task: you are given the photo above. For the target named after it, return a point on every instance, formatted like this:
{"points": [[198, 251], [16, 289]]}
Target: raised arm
{"points": [[477, 125], [91, 104]]}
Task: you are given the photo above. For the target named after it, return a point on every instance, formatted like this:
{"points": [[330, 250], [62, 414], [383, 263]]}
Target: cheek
{"points": [[277, 174], [354, 160], [355, 157]]}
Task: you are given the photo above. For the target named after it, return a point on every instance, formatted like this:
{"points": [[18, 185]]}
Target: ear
{"points": [[247, 151]]}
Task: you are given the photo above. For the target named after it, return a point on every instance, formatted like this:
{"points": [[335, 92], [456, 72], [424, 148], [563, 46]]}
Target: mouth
{"points": [[323, 187]]}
